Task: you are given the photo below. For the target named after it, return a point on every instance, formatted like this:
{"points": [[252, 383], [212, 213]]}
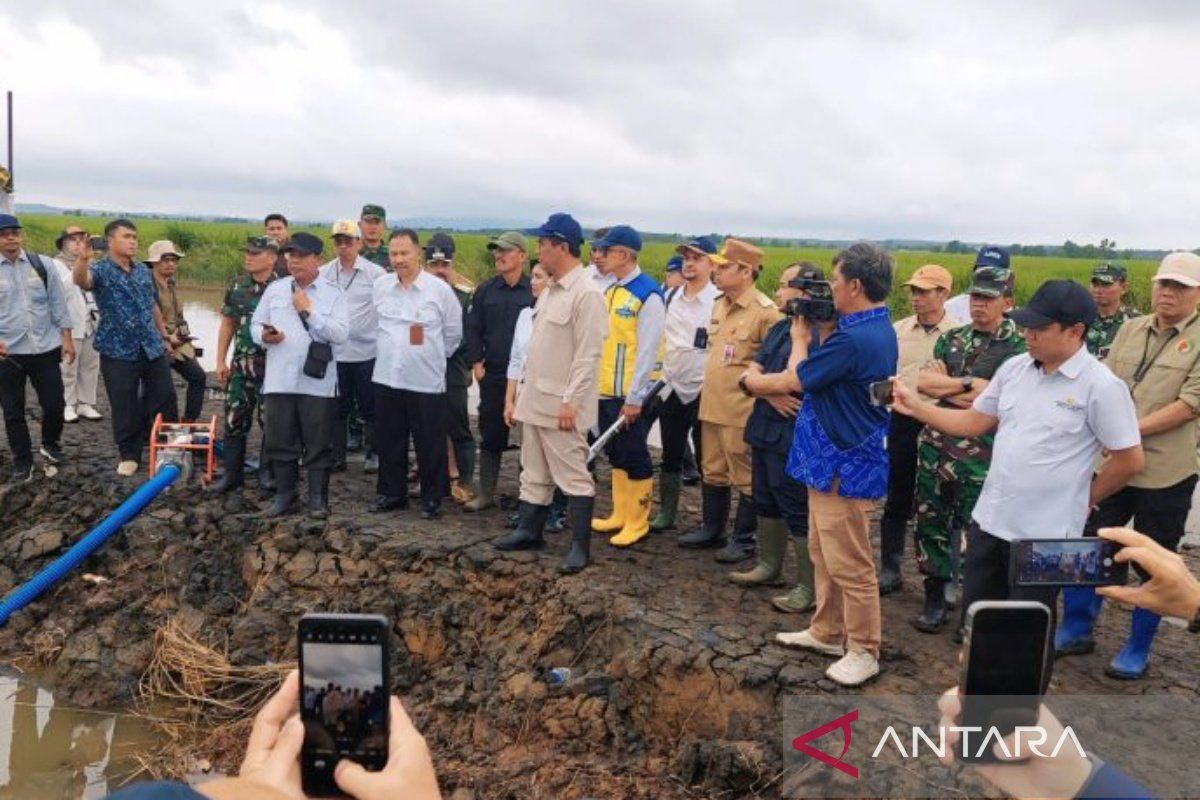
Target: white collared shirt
{"points": [[285, 360], [1051, 429], [430, 303], [357, 286], [520, 345], [683, 362], [602, 281]]}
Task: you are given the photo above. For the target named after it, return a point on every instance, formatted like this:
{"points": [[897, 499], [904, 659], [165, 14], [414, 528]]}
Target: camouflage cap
{"points": [[1109, 272], [258, 244], [991, 282], [373, 211], [509, 240]]}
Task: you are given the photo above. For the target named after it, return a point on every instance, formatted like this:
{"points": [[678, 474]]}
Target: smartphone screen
{"points": [[881, 393], [1003, 669], [344, 696], [1067, 562]]}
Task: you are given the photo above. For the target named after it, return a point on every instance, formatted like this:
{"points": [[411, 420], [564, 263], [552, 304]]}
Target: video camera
{"points": [[817, 307]]}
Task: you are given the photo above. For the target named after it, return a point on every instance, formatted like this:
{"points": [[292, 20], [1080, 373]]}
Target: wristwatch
{"points": [[967, 381], [742, 385]]}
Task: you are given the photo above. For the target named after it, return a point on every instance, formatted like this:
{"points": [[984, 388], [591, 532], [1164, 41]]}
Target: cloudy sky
{"points": [[1015, 121]]}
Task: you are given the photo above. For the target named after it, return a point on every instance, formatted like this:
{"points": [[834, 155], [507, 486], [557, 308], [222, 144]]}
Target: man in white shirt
{"points": [[81, 376], [1053, 409], [354, 276], [689, 308], [298, 321], [420, 325]]}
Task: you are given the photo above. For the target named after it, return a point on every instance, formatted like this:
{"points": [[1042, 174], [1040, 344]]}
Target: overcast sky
{"points": [[1005, 121]]}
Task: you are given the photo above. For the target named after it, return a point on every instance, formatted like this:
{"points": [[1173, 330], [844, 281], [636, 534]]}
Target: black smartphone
{"points": [[1003, 670], [881, 393], [700, 340], [344, 690], [1067, 562]]}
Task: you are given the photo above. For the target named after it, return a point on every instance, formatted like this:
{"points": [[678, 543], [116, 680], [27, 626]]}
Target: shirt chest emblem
{"points": [[1069, 404], [1184, 346]]}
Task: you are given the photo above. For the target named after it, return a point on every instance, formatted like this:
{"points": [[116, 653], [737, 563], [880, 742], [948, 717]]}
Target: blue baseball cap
{"points": [[705, 245], [9, 221], [620, 236], [674, 263], [559, 226], [991, 256]]}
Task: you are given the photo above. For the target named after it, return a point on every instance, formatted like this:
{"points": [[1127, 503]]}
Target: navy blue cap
{"points": [[1061, 301], [559, 226], [621, 236], [304, 244], [9, 221], [704, 244], [674, 263], [990, 256]]}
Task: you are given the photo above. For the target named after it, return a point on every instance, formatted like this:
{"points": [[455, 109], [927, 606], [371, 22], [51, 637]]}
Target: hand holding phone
{"points": [[1089, 561], [344, 696], [271, 334], [882, 392]]}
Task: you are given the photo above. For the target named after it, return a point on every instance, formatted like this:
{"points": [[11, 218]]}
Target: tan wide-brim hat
{"points": [[163, 247]]}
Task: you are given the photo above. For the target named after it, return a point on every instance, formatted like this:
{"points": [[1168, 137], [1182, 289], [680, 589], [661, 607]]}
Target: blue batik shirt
{"points": [[839, 433], [125, 300]]}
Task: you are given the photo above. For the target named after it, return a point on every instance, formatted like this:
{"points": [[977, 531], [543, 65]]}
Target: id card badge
{"points": [[416, 334], [727, 354]]}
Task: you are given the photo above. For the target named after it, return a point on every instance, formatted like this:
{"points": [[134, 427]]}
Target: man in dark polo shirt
{"points": [[839, 452], [132, 342], [490, 323]]}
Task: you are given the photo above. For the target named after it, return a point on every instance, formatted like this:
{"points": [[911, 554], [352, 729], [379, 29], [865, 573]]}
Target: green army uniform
{"points": [[377, 255], [951, 470], [242, 402], [458, 381], [1100, 334]]}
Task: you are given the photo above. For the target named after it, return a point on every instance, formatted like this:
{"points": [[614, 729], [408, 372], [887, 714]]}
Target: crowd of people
{"points": [[1052, 420]]}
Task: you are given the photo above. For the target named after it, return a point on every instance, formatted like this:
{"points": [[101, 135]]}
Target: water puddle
{"points": [[48, 750]]}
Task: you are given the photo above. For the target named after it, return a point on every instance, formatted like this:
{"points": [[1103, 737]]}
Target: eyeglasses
{"points": [[170, 259]]}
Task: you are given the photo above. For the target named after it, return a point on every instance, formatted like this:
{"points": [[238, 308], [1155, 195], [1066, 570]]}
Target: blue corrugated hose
{"points": [[55, 571]]}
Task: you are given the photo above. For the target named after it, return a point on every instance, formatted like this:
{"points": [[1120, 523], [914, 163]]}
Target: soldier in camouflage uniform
{"points": [[1108, 290], [950, 470], [244, 378], [373, 224]]}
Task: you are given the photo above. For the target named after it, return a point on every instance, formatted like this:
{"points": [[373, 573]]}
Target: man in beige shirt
{"points": [[1158, 357], [741, 318], [558, 394], [928, 288]]}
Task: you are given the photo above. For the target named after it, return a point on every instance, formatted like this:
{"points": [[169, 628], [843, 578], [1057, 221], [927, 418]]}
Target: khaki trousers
{"points": [[725, 456], [549, 458], [839, 544]]}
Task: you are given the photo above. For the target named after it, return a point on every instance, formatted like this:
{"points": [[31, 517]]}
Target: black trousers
{"points": [[986, 577], [628, 449], [902, 470], [197, 381], [493, 433], [676, 421], [776, 494], [399, 415], [138, 389], [1159, 513], [43, 372], [355, 387], [298, 425]]}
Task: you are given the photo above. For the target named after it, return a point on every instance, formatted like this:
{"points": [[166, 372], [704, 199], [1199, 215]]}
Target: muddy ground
{"points": [[676, 689]]}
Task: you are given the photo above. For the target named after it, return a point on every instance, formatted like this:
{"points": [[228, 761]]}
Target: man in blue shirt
{"points": [[838, 451], [35, 334], [132, 342]]}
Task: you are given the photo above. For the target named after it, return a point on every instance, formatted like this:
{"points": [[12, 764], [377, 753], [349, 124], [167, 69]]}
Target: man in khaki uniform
{"points": [[558, 395], [741, 318], [1158, 358], [929, 288]]}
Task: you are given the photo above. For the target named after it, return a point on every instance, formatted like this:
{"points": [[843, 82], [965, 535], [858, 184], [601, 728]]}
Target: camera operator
{"points": [[782, 503], [838, 451]]}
